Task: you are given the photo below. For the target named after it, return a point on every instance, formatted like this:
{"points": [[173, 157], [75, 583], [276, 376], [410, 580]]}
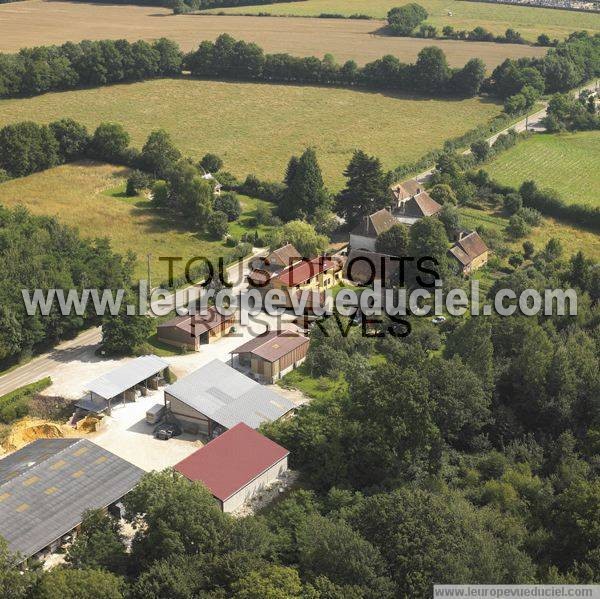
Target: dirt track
{"points": [[35, 22]]}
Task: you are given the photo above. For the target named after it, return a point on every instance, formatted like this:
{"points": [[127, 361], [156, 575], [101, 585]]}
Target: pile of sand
{"points": [[29, 429], [89, 424]]}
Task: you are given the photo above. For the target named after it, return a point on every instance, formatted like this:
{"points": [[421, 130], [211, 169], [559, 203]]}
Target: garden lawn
{"points": [[569, 163], [256, 127], [88, 196], [530, 21]]}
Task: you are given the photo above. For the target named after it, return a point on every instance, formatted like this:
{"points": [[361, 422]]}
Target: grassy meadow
{"points": [[530, 21], [572, 238], [567, 162], [88, 196], [255, 128]]}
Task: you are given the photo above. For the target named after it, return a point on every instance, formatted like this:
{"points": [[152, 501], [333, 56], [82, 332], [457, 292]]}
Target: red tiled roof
{"points": [[302, 272], [231, 461]]}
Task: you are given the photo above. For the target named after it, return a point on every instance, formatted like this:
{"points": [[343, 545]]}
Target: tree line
{"points": [[33, 71], [240, 60], [48, 68]]}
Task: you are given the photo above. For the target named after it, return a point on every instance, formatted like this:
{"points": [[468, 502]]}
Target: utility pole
{"points": [[149, 256]]}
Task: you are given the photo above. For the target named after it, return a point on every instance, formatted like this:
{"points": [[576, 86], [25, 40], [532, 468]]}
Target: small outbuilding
{"points": [[216, 397], [124, 383], [273, 354], [194, 330], [236, 465]]}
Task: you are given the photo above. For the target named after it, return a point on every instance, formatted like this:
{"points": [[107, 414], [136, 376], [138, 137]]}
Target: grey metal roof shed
{"points": [[125, 377], [46, 486], [229, 397]]}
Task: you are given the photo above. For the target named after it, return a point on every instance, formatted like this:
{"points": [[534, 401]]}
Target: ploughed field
{"points": [[35, 23], [89, 196], [460, 14], [567, 162], [255, 128]]}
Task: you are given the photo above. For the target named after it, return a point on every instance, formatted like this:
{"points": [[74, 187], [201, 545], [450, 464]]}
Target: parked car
{"points": [[438, 319], [166, 430]]}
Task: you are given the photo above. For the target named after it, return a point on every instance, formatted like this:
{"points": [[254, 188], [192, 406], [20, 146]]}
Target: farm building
{"points": [[123, 384], [264, 267], [314, 275], [273, 354], [364, 235], [216, 397], [192, 331], [236, 465], [469, 252], [46, 486]]}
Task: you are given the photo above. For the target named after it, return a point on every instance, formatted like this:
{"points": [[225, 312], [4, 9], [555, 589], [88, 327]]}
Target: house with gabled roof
{"points": [[409, 210], [265, 267], [311, 276], [469, 252], [364, 235]]}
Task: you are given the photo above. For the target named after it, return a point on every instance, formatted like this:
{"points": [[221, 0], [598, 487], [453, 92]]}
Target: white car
{"points": [[438, 319]]}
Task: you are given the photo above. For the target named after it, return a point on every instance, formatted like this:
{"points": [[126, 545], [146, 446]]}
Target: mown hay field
{"points": [[567, 162], [83, 195], [255, 128], [37, 23], [530, 21]]}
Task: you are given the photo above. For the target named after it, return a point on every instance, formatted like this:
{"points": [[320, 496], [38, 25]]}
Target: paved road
{"points": [[84, 346]]}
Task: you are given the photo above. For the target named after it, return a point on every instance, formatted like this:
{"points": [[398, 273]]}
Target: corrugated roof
{"points": [[232, 460], [229, 397], [273, 345], [305, 270], [127, 376], [47, 485]]}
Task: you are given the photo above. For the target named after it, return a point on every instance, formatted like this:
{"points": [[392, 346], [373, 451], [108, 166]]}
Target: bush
{"points": [[217, 224], [211, 163], [15, 405], [228, 203]]}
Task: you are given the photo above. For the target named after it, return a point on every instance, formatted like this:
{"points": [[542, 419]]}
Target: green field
{"points": [[530, 21], [567, 162], [86, 196], [257, 127], [572, 238]]}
